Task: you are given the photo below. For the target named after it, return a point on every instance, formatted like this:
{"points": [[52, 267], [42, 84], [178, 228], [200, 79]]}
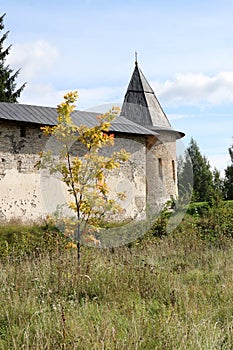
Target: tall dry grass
{"points": [[173, 292]]}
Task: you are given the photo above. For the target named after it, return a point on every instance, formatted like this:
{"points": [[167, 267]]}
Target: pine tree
{"points": [[228, 182], [218, 184], [8, 91], [202, 176], [231, 153]]}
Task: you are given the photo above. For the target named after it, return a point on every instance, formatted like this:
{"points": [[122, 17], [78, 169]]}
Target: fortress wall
{"points": [[29, 194]]}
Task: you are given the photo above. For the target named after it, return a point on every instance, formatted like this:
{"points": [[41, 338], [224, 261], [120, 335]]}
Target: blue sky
{"points": [[185, 50]]}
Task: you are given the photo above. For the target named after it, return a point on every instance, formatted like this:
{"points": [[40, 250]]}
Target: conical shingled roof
{"points": [[141, 105], [138, 82]]}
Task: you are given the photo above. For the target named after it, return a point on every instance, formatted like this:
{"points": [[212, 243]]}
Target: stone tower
{"points": [[142, 107]]}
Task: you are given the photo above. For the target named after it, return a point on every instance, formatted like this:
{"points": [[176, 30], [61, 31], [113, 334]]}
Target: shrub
{"points": [[198, 208], [18, 240]]}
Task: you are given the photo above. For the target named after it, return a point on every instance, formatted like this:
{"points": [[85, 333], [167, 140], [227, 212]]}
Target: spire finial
{"points": [[136, 58]]}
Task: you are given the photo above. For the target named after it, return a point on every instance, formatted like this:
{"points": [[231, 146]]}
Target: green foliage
{"points": [[228, 181], [159, 227], [218, 185], [231, 153], [85, 175], [230, 203], [185, 180], [174, 292], [198, 208], [8, 91], [202, 175], [218, 223], [195, 176], [17, 240]]}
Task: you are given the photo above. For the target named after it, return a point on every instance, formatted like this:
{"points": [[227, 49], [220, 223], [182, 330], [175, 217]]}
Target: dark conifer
{"points": [[8, 90], [228, 181], [202, 175]]}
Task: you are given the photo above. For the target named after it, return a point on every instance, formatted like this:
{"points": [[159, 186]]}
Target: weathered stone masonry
{"points": [[20, 145], [21, 185], [149, 178], [161, 170]]}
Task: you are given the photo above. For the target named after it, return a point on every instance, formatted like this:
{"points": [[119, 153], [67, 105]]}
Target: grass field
{"points": [[172, 292]]}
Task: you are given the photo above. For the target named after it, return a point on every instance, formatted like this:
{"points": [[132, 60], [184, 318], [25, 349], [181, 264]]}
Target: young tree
{"points": [[202, 175], [85, 175], [8, 91], [228, 181]]}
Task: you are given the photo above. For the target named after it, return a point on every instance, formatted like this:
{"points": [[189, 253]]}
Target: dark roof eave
{"points": [[159, 129], [112, 129]]}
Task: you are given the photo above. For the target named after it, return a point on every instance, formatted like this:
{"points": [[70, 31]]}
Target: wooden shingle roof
{"points": [[142, 106]]}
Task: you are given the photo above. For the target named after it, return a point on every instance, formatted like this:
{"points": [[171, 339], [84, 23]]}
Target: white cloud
{"points": [[100, 96], [220, 161], [34, 58], [193, 89], [41, 95], [99, 99], [186, 89], [103, 108]]}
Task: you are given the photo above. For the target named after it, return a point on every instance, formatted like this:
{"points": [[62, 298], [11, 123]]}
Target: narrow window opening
{"points": [[23, 131], [173, 171], [3, 160], [160, 168], [19, 166]]}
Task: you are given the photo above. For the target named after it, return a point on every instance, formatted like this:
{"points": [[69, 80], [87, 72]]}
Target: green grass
{"points": [[202, 208], [173, 292], [18, 239]]}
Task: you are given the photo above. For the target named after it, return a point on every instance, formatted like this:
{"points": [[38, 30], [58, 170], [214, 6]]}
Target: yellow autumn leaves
{"points": [[85, 175]]}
